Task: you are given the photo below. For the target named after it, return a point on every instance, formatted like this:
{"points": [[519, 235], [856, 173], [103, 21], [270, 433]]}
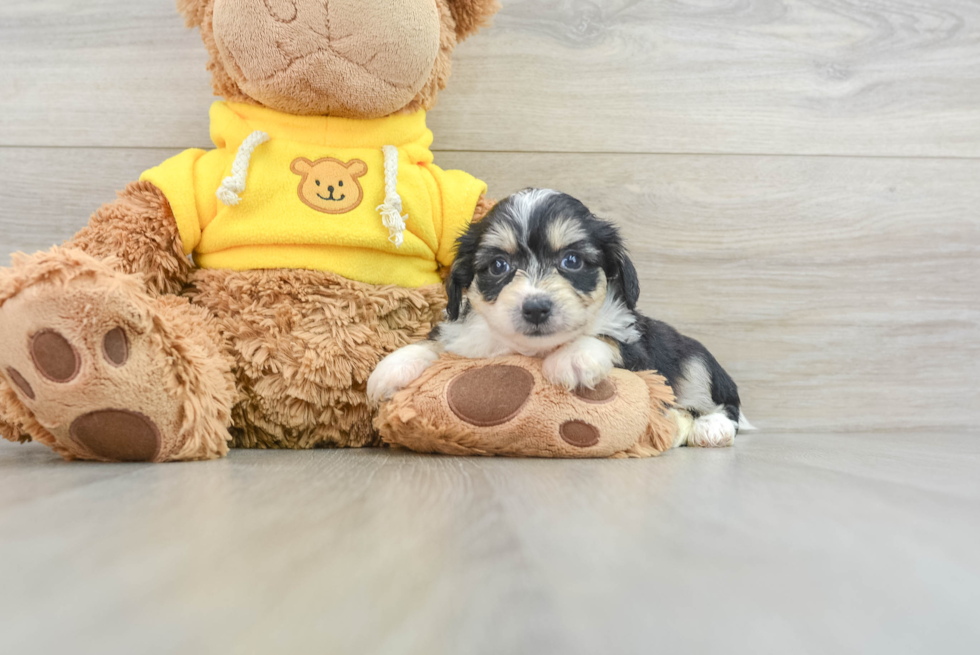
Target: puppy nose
{"points": [[330, 189], [536, 310]]}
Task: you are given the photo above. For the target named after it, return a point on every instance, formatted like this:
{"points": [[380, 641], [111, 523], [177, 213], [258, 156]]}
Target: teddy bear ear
{"points": [[193, 11], [301, 166], [357, 168], [471, 15]]}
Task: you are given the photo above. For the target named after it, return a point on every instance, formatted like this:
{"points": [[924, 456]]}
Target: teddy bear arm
{"points": [[138, 230]]}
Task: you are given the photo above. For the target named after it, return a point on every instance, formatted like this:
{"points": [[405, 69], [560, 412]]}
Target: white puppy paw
{"points": [[398, 370], [585, 362], [712, 431]]}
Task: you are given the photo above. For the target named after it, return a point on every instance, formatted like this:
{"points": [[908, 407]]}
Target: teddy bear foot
{"points": [[507, 406], [104, 372]]}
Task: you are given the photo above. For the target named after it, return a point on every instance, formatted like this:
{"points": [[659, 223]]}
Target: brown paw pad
{"points": [[602, 393], [491, 395], [21, 383], [115, 346], [117, 435], [54, 357], [579, 434]]}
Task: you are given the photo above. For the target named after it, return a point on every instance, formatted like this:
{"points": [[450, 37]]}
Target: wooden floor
{"points": [[796, 543], [797, 180], [799, 183]]}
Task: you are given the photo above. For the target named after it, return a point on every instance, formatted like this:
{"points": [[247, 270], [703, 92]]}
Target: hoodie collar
{"points": [[233, 122]]}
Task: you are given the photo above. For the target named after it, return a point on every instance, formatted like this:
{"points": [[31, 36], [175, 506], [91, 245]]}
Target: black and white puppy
{"points": [[541, 276]]}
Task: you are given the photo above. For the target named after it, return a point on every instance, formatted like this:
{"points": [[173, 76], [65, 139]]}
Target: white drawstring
{"points": [[391, 210], [229, 193]]}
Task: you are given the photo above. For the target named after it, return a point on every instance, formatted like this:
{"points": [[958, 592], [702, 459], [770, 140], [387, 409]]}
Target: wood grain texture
{"points": [[783, 544], [893, 77], [840, 293]]}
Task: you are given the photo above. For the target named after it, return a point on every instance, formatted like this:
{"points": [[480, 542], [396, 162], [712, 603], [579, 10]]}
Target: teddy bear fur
{"points": [[458, 19], [259, 358], [504, 406]]}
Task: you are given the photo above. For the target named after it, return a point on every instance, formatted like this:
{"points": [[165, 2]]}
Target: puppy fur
{"points": [[541, 276]]}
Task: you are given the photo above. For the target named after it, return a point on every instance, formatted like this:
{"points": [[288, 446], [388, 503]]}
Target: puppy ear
{"points": [[471, 15], [619, 269], [463, 270], [456, 284], [193, 11], [627, 283]]}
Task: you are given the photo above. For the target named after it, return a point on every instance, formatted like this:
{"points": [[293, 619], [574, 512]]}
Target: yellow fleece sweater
{"points": [[284, 191]]}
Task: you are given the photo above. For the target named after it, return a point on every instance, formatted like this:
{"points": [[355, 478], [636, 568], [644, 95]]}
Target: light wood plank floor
{"points": [[798, 184], [784, 544]]}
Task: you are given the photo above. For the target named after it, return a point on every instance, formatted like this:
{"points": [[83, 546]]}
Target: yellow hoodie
{"points": [[360, 198]]}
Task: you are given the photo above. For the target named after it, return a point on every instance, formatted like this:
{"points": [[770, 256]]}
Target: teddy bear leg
{"points": [[304, 344], [10, 428], [96, 368]]}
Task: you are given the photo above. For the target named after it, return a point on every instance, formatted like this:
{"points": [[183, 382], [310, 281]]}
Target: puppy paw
{"points": [[398, 370], [712, 431], [583, 363]]}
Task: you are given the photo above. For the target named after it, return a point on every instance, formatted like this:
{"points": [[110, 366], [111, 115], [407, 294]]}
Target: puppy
{"points": [[543, 277]]}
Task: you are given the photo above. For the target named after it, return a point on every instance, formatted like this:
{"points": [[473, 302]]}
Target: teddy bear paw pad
{"points": [[603, 392], [20, 382], [115, 346], [579, 434], [489, 396], [118, 435], [54, 357]]}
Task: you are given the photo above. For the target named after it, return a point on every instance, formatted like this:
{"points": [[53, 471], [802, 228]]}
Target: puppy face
{"points": [[538, 269]]}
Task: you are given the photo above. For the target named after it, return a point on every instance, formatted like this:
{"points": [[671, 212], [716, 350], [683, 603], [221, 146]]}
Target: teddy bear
{"points": [[241, 296]]}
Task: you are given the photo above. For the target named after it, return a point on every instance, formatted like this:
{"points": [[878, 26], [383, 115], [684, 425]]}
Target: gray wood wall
{"points": [[799, 180]]}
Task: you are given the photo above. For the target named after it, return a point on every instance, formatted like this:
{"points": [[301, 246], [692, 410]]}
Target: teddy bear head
{"points": [[347, 58]]}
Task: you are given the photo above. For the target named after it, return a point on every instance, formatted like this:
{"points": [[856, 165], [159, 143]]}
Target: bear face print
{"points": [[329, 185]]}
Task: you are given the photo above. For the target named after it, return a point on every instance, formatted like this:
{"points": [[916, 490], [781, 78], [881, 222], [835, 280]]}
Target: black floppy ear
{"points": [[458, 282], [463, 270], [627, 282], [471, 15], [619, 269]]}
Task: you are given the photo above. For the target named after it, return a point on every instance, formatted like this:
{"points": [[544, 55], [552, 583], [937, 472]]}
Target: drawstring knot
{"points": [[391, 209], [229, 193]]}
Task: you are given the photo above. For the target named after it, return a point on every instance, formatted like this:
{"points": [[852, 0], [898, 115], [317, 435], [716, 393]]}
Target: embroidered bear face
{"points": [[329, 185]]}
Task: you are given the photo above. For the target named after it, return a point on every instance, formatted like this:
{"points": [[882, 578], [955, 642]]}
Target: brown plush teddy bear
{"points": [[244, 294]]}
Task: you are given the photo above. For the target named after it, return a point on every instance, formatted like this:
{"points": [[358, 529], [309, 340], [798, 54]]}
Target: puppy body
{"points": [[541, 276]]}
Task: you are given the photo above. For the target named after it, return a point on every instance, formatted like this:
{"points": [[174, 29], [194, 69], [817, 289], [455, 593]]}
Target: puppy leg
{"points": [[585, 362], [400, 369], [713, 430], [707, 392]]}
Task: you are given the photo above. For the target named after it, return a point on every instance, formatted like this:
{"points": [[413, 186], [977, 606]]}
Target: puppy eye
{"points": [[500, 266], [572, 261], [318, 182], [341, 183]]}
